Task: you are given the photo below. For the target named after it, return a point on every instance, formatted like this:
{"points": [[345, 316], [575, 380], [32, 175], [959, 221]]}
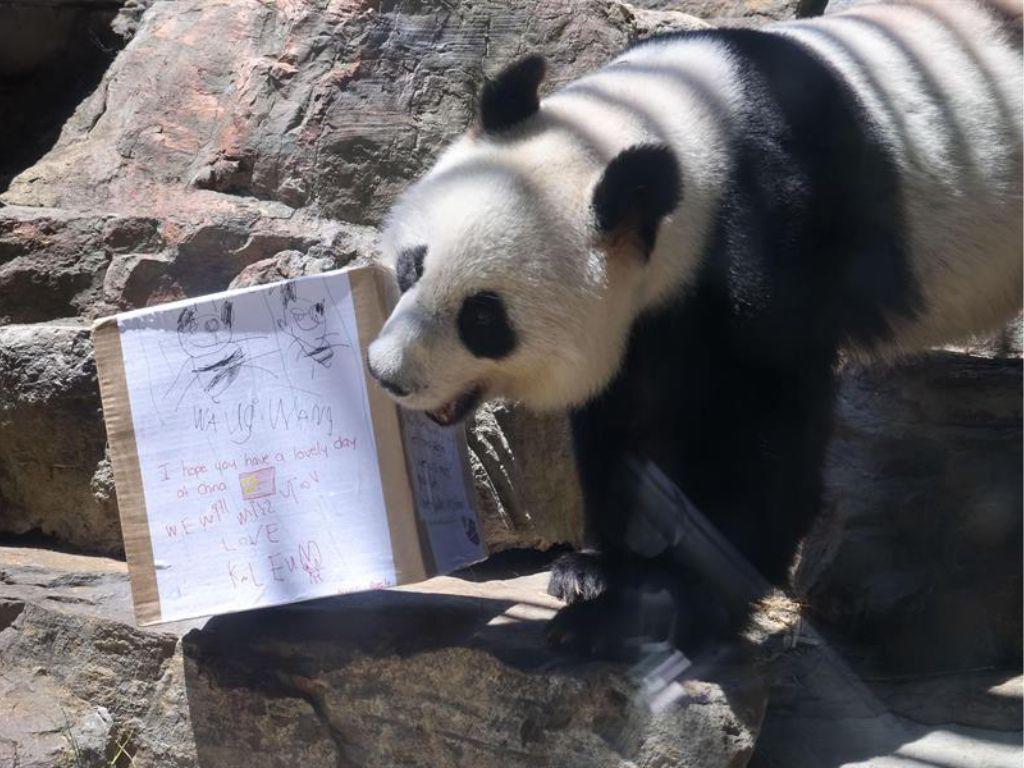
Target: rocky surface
{"points": [[921, 531], [54, 474], [747, 13], [52, 56], [827, 711], [330, 106], [449, 673]]}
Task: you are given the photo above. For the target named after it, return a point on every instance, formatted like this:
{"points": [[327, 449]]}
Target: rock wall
{"points": [[920, 536]]}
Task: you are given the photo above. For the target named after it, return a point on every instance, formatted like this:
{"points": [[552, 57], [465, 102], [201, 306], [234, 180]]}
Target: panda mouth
{"points": [[457, 409]]}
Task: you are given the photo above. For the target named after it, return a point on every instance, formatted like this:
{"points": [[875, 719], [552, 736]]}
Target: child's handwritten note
{"points": [[256, 450]]}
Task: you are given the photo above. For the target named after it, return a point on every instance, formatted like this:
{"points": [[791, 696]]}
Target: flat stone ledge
{"points": [[451, 672]]}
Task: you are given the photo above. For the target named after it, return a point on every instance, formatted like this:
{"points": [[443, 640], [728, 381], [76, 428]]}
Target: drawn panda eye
{"points": [[484, 326], [409, 267]]}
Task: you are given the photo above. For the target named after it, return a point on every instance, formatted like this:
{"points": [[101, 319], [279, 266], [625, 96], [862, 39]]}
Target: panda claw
{"points": [[577, 577]]}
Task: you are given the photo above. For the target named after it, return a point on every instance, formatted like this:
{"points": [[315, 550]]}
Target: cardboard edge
{"points": [[413, 561], [124, 458]]}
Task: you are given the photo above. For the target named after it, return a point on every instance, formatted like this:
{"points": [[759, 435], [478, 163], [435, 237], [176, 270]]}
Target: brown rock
{"points": [[52, 262], [528, 491], [747, 13], [58, 264], [334, 107], [53, 475], [449, 673], [921, 532]]}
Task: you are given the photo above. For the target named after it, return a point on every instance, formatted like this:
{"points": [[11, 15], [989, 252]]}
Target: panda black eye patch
{"points": [[484, 326], [409, 267]]}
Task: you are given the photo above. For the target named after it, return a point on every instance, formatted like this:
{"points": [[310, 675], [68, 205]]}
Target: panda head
{"points": [[520, 257]]}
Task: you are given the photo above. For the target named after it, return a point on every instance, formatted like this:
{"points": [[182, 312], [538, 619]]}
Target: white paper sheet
{"points": [[257, 454], [441, 493]]}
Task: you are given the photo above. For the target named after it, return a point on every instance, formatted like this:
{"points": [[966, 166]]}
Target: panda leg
{"points": [[755, 485], [646, 603]]}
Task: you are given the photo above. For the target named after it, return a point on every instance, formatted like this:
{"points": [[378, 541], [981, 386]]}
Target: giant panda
{"points": [[678, 247]]}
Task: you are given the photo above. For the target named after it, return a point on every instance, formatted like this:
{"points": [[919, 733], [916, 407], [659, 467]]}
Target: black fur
{"points": [[577, 576], [484, 326], [409, 267], [640, 186], [511, 97], [729, 389]]}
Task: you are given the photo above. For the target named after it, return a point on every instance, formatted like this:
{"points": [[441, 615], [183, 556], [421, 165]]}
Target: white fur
{"points": [[513, 216], [963, 202]]}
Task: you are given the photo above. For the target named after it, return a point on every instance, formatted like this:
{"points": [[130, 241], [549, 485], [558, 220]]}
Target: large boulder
{"points": [[333, 106], [61, 264], [52, 55], [54, 475], [747, 13], [56, 263], [921, 532], [449, 674], [329, 106]]}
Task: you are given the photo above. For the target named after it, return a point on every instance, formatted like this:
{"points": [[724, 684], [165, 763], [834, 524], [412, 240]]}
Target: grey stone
{"points": [[53, 478], [822, 712], [445, 674], [57, 263], [647, 22], [329, 107], [747, 13], [283, 266], [53, 262], [920, 536], [528, 491]]}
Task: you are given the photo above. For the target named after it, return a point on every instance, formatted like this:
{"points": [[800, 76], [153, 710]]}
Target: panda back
{"points": [[941, 86]]}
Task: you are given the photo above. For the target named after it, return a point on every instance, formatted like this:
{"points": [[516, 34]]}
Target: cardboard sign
{"points": [[257, 464]]}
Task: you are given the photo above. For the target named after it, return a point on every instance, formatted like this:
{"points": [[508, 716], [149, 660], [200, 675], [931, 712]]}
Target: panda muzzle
{"points": [[457, 409]]}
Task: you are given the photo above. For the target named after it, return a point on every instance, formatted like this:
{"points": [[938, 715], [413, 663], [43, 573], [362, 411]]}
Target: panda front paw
{"points": [[589, 629], [577, 577], [614, 625]]}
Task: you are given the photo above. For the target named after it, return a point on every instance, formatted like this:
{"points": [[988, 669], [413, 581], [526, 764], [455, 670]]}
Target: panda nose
{"points": [[395, 389]]}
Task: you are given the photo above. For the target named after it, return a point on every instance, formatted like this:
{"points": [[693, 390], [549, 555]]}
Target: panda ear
{"points": [[511, 97], [639, 187]]}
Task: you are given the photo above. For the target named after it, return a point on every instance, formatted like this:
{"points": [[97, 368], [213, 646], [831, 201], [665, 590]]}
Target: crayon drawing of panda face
{"points": [[213, 359], [305, 323]]}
